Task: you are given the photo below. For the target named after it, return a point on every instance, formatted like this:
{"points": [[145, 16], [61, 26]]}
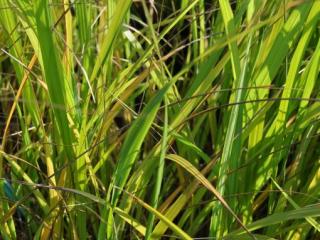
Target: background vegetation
{"points": [[159, 119]]}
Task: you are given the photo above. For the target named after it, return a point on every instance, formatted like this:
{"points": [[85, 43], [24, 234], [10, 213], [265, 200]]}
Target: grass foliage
{"points": [[159, 119]]}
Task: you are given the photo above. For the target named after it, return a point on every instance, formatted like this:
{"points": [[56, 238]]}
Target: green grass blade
{"points": [[232, 145], [53, 73], [159, 176], [194, 172], [131, 148], [308, 211], [114, 28], [310, 220]]}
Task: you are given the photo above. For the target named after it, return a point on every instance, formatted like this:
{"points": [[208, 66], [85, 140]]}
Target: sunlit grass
{"points": [[159, 119]]}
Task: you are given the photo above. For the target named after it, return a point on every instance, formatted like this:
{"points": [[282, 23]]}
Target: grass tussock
{"points": [[159, 119]]}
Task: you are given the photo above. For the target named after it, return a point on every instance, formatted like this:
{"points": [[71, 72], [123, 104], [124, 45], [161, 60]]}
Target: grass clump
{"points": [[159, 119]]}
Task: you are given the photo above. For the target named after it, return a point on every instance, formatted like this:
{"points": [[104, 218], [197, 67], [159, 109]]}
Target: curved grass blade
{"points": [[308, 211], [195, 172], [169, 223], [130, 150], [310, 220]]}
